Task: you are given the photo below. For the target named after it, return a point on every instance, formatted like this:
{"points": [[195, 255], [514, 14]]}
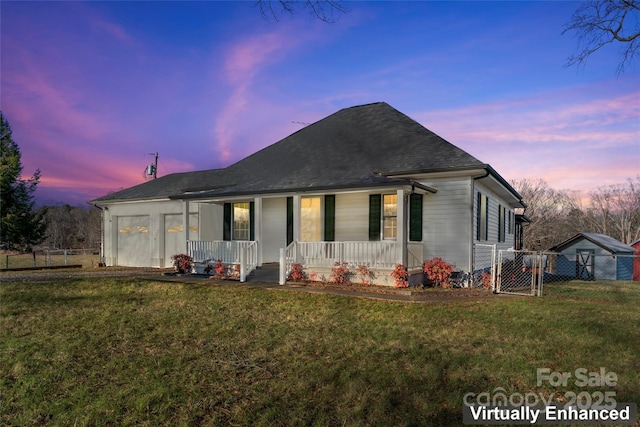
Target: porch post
{"points": [[185, 224], [401, 238], [257, 227], [296, 224]]}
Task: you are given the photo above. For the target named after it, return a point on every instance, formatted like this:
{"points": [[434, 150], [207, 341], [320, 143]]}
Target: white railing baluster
{"points": [[325, 254]]}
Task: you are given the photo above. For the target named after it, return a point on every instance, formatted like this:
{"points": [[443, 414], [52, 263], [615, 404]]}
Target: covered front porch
{"points": [[315, 230], [381, 257], [317, 258]]}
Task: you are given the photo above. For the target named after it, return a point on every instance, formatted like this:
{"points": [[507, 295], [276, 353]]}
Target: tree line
{"points": [[72, 227], [557, 215]]}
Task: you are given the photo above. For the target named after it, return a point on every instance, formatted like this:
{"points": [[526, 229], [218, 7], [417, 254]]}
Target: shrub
{"points": [[340, 273], [220, 269], [486, 280], [297, 274], [438, 271], [182, 263], [400, 276]]}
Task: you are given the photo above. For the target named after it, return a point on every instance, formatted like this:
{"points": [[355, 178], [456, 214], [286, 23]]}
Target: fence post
{"points": [[65, 257], [34, 258], [493, 270], [541, 275]]}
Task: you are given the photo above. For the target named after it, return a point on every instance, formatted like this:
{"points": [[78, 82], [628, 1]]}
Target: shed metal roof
{"points": [[606, 242]]}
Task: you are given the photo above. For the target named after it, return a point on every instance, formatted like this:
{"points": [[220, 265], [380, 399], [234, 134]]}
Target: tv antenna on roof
{"points": [[152, 169]]}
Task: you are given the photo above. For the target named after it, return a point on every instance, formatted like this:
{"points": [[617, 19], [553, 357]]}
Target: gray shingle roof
{"points": [[602, 240], [353, 147]]}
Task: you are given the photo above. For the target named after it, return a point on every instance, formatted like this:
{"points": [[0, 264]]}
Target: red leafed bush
{"points": [[297, 273], [486, 280], [340, 273], [400, 276], [220, 269], [438, 271], [182, 263]]}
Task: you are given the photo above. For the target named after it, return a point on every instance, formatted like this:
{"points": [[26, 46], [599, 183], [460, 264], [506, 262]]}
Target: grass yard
{"points": [[42, 259], [125, 351], [617, 291]]}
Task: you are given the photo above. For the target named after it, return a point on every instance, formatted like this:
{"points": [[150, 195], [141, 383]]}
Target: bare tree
{"points": [[551, 212], [602, 22], [72, 227], [557, 215], [324, 10], [615, 211]]}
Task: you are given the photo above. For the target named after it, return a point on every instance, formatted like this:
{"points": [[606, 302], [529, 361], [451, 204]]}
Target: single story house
{"points": [[593, 256], [366, 185]]}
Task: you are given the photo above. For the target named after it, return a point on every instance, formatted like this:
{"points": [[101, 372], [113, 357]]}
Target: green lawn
{"points": [[124, 351], [42, 259]]}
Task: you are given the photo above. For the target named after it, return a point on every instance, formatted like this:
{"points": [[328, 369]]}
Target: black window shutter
{"points": [[478, 217], [252, 217], [415, 217], [375, 212], [329, 218], [289, 220], [486, 218], [226, 229]]}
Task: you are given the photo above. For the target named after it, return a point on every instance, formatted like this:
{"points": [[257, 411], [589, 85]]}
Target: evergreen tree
{"points": [[20, 224]]}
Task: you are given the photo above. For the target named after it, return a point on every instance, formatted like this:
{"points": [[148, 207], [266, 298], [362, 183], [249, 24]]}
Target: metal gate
{"points": [[520, 272]]}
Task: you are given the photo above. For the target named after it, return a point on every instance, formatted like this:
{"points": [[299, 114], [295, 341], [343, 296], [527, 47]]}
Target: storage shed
{"points": [[593, 256]]}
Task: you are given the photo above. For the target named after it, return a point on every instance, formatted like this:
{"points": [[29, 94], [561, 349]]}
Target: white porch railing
{"points": [[378, 255], [248, 260], [243, 253]]}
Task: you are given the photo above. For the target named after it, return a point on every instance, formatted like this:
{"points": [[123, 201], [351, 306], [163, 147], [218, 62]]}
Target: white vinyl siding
{"points": [[446, 221], [493, 235]]}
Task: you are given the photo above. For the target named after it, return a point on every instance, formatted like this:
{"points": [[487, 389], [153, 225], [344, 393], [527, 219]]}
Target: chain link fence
{"points": [[50, 258], [581, 273], [520, 272], [587, 274]]}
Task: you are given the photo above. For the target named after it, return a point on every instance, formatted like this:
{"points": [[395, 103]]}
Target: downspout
{"points": [[472, 216]]}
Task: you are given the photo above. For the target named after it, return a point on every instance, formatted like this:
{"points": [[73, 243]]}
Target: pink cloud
{"points": [[114, 30], [243, 62], [566, 138]]}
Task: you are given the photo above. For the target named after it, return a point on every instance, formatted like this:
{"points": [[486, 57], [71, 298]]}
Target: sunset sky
{"points": [[92, 88]]}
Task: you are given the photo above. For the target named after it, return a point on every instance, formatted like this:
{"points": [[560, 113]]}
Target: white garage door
{"points": [[174, 235], [134, 241]]}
